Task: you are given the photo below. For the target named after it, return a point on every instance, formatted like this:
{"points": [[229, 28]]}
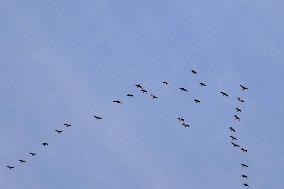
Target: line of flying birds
{"points": [[233, 130], [233, 138], [180, 119], [43, 144]]}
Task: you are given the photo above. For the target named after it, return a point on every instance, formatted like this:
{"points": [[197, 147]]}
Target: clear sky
{"points": [[65, 61]]}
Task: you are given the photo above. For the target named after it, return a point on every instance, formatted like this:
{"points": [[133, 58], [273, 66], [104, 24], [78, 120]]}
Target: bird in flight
{"points": [[193, 71], [180, 119], [233, 138], [232, 129], [97, 117], [22, 161], [185, 125], [183, 89], [165, 82], [139, 86], [58, 131], [45, 144], [243, 87], [224, 94], [244, 150], [235, 145], [244, 165], [196, 101], [237, 118], [130, 95], [33, 154], [67, 125], [153, 96], [245, 184], [117, 101], [238, 109], [144, 91], [241, 100], [245, 176], [10, 167], [202, 84]]}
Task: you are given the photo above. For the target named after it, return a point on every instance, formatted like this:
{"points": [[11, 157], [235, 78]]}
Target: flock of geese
{"points": [[180, 119], [233, 131], [21, 161]]}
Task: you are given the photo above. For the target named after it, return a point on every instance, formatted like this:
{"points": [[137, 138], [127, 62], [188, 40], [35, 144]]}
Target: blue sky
{"points": [[66, 61]]}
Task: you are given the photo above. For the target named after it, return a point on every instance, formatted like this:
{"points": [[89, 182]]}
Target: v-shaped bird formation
{"points": [[182, 122]]}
